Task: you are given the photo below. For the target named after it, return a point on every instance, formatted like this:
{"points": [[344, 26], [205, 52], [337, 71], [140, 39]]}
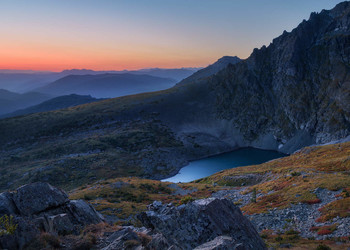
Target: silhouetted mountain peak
{"points": [[211, 69], [228, 59]]}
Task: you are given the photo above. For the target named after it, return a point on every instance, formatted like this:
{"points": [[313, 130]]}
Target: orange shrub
{"points": [[324, 232], [311, 202]]}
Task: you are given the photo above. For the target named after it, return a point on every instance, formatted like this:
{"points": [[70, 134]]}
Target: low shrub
{"points": [[7, 225], [278, 238], [295, 174], [311, 202], [323, 247], [291, 232], [324, 232], [186, 199], [51, 240]]}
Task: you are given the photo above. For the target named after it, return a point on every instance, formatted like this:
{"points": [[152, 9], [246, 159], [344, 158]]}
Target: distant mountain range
{"points": [[54, 104], [106, 85], [22, 81], [36, 87], [10, 101]]}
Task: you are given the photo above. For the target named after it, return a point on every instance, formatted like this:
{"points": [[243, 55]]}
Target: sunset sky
{"points": [[115, 35]]}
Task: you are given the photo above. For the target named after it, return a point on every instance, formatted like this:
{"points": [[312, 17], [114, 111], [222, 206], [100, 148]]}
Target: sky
{"points": [[132, 34]]}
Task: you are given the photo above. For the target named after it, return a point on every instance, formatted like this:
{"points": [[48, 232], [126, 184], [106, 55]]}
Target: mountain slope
{"points": [[212, 69], [10, 101], [293, 93], [54, 104], [176, 74], [106, 85]]}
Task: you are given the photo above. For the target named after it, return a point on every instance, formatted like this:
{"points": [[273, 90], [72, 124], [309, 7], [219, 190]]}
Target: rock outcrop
{"points": [[203, 224], [191, 225], [41, 207]]}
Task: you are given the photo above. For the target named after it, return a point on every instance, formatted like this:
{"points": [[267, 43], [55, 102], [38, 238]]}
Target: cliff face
{"points": [[293, 93], [298, 85]]}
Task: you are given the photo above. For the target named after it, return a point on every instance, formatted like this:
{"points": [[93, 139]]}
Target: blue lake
{"points": [[208, 166]]}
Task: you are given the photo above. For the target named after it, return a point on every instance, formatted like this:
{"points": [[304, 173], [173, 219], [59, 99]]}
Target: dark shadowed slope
{"points": [[54, 104], [293, 93], [107, 85], [10, 101]]}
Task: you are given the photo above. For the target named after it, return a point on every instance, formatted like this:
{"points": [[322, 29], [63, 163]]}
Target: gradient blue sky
{"points": [[112, 34]]}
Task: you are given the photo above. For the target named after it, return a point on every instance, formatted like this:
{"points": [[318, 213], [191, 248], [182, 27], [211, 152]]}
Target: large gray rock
{"points": [[37, 197], [60, 224], [84, 213], [41, 207], [194, 224]]}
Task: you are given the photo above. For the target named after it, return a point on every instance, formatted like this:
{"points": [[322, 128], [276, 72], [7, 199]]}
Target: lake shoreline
{"points": [[209, 165]]}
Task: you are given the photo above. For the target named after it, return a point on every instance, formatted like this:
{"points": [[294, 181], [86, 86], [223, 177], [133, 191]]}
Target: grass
{"points": [[338, 208], [124, 198], [82, 159], [279, 240], [79, 145]]}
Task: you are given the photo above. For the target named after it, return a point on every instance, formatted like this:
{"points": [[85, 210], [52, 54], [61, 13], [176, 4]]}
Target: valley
{"points": [[242, 154]]}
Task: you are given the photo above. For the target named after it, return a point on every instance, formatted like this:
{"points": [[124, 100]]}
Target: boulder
{"points": [[191, 225], [60, 224], [84, 213], [40, 207], [38, 197], [7, 206]]}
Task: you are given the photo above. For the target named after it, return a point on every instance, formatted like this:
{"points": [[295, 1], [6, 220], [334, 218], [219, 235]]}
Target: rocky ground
{"points": [[203, 224], [40, 216], [300, 217]]}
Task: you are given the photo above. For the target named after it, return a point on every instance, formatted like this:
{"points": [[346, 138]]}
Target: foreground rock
{"points": [[41, 207], [203, 224]]}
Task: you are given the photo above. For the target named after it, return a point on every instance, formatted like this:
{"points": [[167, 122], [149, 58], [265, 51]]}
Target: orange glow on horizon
{"points": [[58, 61], [58, 56], [118, 35]]}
